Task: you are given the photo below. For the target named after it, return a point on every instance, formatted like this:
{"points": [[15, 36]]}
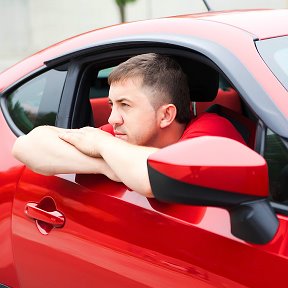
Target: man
{"points": [[150, 109]]}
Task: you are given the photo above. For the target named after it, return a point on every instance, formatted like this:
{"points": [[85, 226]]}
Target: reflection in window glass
{"points": [[36, 102], [276, 155]]}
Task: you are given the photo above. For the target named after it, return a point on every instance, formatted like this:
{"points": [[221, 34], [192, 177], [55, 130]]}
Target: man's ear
{"points": [[167, 114]]}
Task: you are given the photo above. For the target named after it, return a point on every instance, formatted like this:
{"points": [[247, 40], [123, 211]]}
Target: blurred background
{"points": [[27, 26]]}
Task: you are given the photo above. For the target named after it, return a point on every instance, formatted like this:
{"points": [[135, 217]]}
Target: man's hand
{"points": [[128, 162], [86, 139], [44, 152]]}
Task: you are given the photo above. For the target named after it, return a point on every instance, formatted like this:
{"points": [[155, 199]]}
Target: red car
{"points": [[220, 213]]}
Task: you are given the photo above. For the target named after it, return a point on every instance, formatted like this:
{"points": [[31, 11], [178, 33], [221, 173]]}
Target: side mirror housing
{"points": [[220, 172]]}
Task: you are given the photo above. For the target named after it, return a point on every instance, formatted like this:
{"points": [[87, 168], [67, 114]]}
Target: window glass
{"points": [[274, 51], [100, 87], [36, 102], [276, 155]]}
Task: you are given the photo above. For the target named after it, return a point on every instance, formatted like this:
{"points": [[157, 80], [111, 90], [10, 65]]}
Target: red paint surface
{"points": [[196, 162], [113, 235]]}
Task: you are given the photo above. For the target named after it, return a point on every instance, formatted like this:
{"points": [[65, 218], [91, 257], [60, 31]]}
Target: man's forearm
{"points": [[130, 164], [45, 153]]}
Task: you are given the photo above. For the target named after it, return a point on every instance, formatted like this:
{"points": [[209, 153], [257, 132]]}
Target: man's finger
{"points": [[70, 137]]}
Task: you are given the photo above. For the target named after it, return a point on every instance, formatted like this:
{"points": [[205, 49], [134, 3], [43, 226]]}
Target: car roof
{"points": [[261, 23]]}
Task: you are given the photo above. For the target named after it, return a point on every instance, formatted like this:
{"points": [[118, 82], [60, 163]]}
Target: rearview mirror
{"points": [[220, 172]]}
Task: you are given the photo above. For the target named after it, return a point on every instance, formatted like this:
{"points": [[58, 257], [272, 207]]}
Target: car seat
{"points": [[228, 98], [101, 111], [245, 126]]}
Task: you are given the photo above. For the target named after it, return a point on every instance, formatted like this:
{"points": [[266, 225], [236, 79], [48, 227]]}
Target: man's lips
{"points": [[119, 134]]}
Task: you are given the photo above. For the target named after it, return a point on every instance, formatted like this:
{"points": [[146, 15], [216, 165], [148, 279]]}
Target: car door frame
{"points": [[217, 55]]}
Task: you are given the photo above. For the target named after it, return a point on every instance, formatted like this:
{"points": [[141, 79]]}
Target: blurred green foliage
{"points": [[121, 5]]}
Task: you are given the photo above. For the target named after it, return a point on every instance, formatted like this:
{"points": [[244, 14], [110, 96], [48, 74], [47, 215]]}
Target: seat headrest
{"points": [[203, 80]]}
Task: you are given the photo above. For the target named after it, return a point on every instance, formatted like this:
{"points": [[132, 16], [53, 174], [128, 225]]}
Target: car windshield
{"points": [[275, 54]]}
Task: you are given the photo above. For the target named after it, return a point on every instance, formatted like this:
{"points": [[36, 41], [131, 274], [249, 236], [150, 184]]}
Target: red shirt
{"points": [[207, 124], [211, 124]]}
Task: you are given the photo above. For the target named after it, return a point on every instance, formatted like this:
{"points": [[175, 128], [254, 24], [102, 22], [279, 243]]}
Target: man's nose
{"points": [[115, 117]]}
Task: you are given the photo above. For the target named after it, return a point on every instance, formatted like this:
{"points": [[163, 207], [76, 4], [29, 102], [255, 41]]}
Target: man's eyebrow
{"points": [[119, 100]]}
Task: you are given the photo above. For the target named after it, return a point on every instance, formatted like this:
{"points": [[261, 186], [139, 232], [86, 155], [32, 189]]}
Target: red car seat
{"points": [[101, 111], [227, 98], [245, 126]]}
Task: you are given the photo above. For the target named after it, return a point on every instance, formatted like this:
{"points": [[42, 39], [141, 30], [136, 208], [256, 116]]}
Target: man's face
{"points": [[132, 116]]}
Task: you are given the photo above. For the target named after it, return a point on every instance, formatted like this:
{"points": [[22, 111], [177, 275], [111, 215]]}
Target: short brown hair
{"points": [[163, 76]]}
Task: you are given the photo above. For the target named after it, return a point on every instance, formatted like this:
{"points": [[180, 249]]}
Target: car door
{"points": [[79, 230], [111, 236], [85, 230]]}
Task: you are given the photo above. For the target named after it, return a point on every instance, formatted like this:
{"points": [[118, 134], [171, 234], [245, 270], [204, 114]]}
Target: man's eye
{"points": [[123, 104]]}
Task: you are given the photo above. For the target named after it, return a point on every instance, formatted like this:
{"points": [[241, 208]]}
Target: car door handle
{"points": [[54, 218]]}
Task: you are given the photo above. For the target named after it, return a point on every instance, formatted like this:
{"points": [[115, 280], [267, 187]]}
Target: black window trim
{"points": [[7, 117], [242, 80]]}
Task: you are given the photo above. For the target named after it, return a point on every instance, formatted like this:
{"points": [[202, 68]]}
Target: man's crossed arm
{"points": [[50, 150]]}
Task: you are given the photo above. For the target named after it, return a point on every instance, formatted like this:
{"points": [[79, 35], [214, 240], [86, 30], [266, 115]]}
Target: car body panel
{"points": [[257, 22], [114, 235], [10, 171], [121, 251]]}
